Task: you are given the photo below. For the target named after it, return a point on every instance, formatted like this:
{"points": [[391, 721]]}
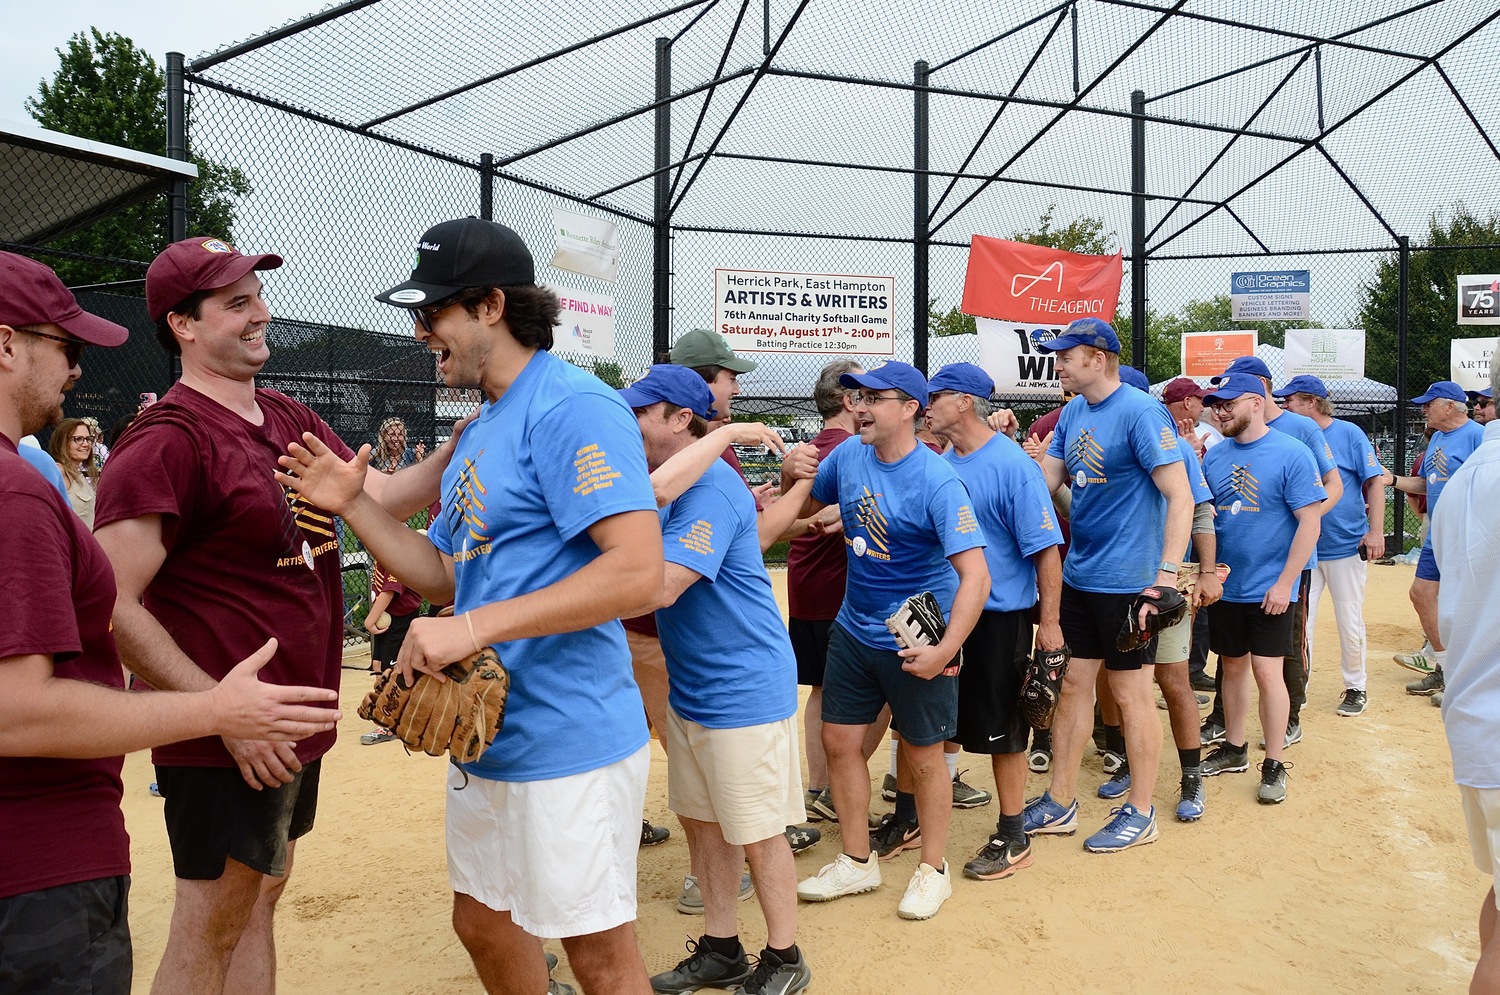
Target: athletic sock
{"points": [[725, 946], [859, 860], [1114, 739], [952, 760], [1012, 829], [787, 956], [1242, 748], [1438, 658], [894, 747], [906, 807], [1190, 758]]}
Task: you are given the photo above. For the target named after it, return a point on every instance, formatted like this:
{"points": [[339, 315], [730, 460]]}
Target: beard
{"points": [[1235, 426]]}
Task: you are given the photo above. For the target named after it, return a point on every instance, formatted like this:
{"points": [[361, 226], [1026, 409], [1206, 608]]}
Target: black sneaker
{"points": [[1202, 682], [1354, 703], [1429, 685], [894, 836], [998, 859], [1211, 732], [702, 968], [652, 835], [773, 976], [802, 837], [1226, 759]]}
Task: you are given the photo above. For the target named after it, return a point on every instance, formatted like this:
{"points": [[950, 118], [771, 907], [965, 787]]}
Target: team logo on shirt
{"points": [[470, 534], [876, 540], [1246, 488], [303, 523], [1091, 455], [1439, 464]]}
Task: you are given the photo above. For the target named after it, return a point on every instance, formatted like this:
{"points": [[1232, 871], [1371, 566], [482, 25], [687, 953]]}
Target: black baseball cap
{"points": [[467, 252]]}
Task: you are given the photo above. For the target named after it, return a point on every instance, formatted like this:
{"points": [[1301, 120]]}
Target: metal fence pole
{"points": [[661, 283], [1138, 229], [177, 195], [920, 237], [487, 186], [1403, 283]]}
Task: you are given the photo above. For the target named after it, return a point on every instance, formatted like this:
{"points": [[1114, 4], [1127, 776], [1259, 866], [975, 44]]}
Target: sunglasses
{"points": [[73, 348], [424, 315]]}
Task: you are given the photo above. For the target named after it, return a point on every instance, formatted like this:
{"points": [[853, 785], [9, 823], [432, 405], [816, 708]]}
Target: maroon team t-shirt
{"points": [[405, 600], [246, 559], [817, 566], [60, 819]]}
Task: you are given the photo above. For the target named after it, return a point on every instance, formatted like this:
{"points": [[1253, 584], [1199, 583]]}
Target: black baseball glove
{"points": [[1043, 686], [1171, 606]]}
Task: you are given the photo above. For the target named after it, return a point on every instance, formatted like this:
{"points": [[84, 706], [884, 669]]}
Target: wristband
{"points": [[1167, 566], [472, 638]]}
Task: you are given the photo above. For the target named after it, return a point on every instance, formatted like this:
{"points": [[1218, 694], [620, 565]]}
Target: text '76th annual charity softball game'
{"points": [[759, 311]]}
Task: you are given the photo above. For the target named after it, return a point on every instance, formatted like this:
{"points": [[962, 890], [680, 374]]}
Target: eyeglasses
{"points": [[81, 438], [1224, 407], [424, 315], [870, 400], [73, 348]]}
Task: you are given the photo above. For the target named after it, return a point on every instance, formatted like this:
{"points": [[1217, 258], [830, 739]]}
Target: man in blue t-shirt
{"points": [[1353, 533], [549, 534], [1132, 512], [735, 773], [1296, 665], [909, 528], [1454, 438], [1268, 497], [1011, 503]]}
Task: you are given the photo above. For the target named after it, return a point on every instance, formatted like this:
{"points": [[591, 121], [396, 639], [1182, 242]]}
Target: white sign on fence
{"points": [[1325, 353], [586, 245], [1008, 353], [586, 323], [1279, 295], [1469, 362], [759, 311]]}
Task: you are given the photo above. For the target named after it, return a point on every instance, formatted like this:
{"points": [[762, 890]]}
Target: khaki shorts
{"points": [[747, 780], [1482, 814], [1175, 643]]}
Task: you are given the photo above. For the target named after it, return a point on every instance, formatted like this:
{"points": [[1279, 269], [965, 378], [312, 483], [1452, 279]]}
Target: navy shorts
{"points": [[1427, 568], [1237, 629], [989, 686], [74, 938], [860, 680], [212, 814], [810, 647], [1091, 623]]}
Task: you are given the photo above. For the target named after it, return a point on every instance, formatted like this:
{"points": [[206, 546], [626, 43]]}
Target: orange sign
{"points": [[1017, 281], [1207, 354]]}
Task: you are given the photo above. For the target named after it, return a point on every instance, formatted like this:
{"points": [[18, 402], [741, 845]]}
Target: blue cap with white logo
{"points": [[1233, 385], [891, 376]]}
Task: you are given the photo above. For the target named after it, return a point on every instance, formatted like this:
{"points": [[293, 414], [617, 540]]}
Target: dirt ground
{"points": [[1360, 882]]}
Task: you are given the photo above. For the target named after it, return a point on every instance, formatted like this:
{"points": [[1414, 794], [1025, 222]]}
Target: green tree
{"points": [[949, 322], [1462, 242], [107, 90]]}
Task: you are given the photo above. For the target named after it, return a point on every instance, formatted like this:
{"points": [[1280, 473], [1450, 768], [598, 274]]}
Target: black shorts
{"points": [[1091, 623], [1237, 629], [213, 814], [810, 646], [385, 646], [862, 679], [67, 939], [989, 686]]}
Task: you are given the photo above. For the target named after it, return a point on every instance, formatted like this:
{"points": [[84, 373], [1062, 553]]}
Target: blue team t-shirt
{"points": [[1445, 453], [1347, 523], [1257, 486], [1010, 499], [558, 452], [902, 521], [42, 460], [1307, 432], [728, 655], [1118, 516]]}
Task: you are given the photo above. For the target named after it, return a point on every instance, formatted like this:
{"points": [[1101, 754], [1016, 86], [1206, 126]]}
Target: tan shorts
{"points": [[747, 780], [1175, 643], [1482, 814], [650, 667]]}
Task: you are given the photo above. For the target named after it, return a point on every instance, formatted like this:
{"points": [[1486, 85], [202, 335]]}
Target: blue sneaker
{"points": [[1190, 808], [1128, 828], [1116, 787], [1043, 815]]}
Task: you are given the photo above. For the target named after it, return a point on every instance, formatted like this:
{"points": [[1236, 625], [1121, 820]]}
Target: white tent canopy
{"points": [[1359, 395]]}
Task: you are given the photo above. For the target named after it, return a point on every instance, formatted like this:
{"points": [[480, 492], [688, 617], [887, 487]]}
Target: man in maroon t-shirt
{"points": [[211, 553], [65, 721]]}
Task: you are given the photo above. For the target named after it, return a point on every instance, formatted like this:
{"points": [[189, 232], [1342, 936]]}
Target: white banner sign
{"points": [[1273, 295], [1008, 353], [586, 245], [586, 324], [1325, 353], [758, 311], [1469, 362], [1479, 299]]}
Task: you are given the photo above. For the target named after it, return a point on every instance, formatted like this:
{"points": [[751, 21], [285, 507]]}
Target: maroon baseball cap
{"points": [[1181, 388], [195, 264], [31, 294]]}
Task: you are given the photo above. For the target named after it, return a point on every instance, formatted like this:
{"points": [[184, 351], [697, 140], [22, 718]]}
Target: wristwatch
{"points": [[1168, 566]]}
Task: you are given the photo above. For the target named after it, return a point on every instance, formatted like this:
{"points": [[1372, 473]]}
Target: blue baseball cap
{"points": [[1305, 384], [1132, 377], [891, 376], [1446, 389], [962, 378], [1475, 395], [1253, 365], [1084, 331], [1232, 385], [677, 385]]}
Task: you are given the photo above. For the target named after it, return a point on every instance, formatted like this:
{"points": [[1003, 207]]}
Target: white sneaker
{"points": [[845, 876], [926, 893]]}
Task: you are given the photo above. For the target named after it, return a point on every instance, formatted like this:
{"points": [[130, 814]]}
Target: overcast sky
{"points": [[35, 29]]}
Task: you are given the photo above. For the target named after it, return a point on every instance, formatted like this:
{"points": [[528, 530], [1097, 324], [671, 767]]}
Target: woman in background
{"points": [[72, 447], [391, 452]]}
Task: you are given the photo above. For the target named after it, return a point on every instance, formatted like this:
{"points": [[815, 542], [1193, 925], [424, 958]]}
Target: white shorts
{"points": [[1482, 814], [558, 855], [747, 780]]}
